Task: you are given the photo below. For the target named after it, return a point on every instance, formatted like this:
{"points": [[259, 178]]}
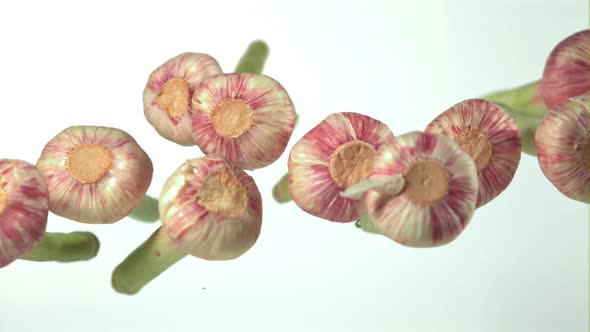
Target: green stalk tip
{"points": [[280, 192], [65, 247], [145, 263], [526, 106], [146, 211], [366, 224], [254, 58]]}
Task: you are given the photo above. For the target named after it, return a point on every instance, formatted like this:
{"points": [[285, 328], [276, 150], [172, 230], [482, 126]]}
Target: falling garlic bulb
{"points": [[563, 147], [244, 118], [168, 93], [439, 195], [567, 70], [209, 209], [491, 137], [94, 174], [23, 209], [336, 154]]}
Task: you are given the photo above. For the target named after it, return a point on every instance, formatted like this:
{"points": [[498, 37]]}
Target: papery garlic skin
{"points": [[567, 70], [490, 135], [23, 209], [439, 196], [337, 153], [211, 209], [168, 93], [94, 174], [563, 148], [244, 118]]}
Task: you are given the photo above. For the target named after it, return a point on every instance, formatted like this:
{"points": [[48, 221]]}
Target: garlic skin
{"points": [[211, 209], [440, 191], [567, 70], [244, 118], [563, 148], [168, 93], [337, 153], [23, 209], [491, 137], [94, 175]]}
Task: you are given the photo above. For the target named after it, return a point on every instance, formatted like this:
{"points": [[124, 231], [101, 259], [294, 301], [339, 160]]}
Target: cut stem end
{"points": [[65, 247], [145, 263]]}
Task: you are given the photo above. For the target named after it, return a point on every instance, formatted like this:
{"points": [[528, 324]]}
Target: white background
{"points": [[521, 265]]}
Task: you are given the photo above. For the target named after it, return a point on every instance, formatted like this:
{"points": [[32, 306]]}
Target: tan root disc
{"points": [[175, 97], [3, 200], [427, 182], [477, 145], [88, 163], [223, 194], [231, 118], [351, 163]]}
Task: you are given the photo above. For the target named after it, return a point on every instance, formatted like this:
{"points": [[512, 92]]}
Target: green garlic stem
{"points": [[280, 192], [147, 210], [145, 263], [254, 58], [526, 106], [64, 247], [366, 225]]}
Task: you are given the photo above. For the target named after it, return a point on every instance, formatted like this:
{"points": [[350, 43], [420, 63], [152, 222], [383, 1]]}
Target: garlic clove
{"points": [[491, 137], [94, 174], [337, 153], [244, 118], [567, 70], [23, 209], [563, 147], [440, 194], [168, 93], [391, 185]]}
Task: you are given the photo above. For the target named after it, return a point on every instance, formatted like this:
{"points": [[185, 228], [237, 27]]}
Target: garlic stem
{"points": [[254, 58], [147, 210], [526, 106], [64, 247], [366, 225], [145, 263]]}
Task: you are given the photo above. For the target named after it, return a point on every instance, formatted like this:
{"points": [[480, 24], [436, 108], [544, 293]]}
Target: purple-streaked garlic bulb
{"points": [[94, 174], [563, 147], [491, 137], [246, 119], [23, 209], [169, 91], [439, 193], [211, 209], [334, 155], [567, 70]]}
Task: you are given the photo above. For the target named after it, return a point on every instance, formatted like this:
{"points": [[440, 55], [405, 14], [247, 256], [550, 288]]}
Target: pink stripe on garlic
{"points": [[23, 209]]}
